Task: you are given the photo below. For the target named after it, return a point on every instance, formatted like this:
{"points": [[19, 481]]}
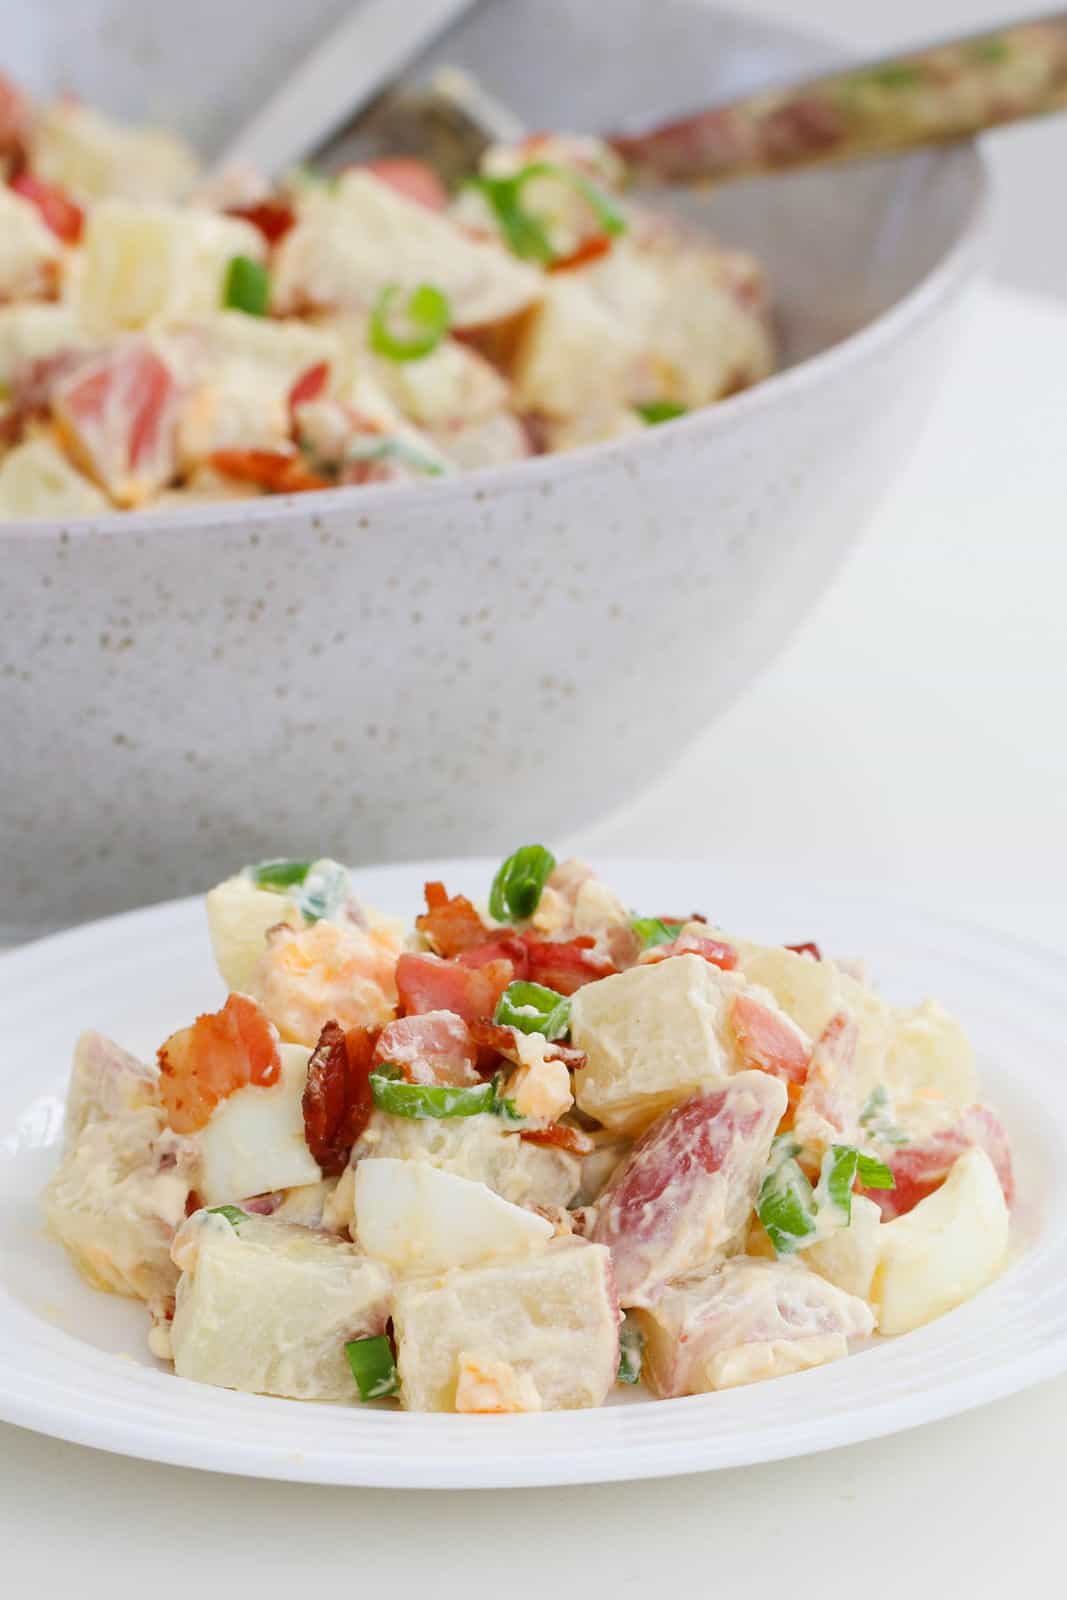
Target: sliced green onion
{"points": [[990, 51], [876, 1118], [833, 1192], [427, 311], [874, 1174], [517, 887], [653, 931], [785, 1204], [373, 1367], [524, 232], [325, 890], [425, 1101], [279, 874], [233, 1214], [631, 1351], [394, 450], [247, 286], [533, 1008], [660, 411]]}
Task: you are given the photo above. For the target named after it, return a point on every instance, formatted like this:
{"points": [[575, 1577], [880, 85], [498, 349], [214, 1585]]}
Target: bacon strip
{"points": [[450, 922], [503, 1039], [561, 1136], [337, 1096]]}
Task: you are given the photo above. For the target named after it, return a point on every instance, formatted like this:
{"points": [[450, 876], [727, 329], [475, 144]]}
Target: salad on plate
{"points": [[526, 1152], [170, 336]]}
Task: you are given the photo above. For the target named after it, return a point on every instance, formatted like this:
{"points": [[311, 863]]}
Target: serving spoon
{"points": [[929, 96]]}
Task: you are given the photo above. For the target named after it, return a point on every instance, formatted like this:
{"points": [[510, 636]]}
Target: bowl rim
{"points": [[951, 272]]}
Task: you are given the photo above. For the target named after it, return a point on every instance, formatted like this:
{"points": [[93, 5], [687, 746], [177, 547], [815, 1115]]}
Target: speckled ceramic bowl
{"points": [[394, 671]]}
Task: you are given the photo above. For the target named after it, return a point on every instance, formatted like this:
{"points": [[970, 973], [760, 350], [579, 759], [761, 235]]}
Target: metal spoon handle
{"points": [[927, 97]]}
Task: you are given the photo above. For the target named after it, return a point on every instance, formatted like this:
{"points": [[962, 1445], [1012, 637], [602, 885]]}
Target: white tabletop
{"points": [[910, 737]]}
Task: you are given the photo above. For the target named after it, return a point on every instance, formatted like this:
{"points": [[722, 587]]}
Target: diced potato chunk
{"points": [[360, 235], [154, 265], [105, 1082], [254, 1142], [576, 356], [811, 992], [267, 1307], [746, 1321], [124, 1179], [38, 482], [244, 370], [83, 151], [552, 1318], [940, 1254], [653, 1035], [238, 916], [29, 251], [479, 1148], [451, 383], [929, 1053], [30, 332], [418, 1219]]}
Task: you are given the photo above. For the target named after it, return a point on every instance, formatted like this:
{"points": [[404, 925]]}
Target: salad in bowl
{"points": [[525, 1152], [168, 335]]}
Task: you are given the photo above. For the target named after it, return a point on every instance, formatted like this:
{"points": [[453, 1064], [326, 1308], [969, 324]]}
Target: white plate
{"points": [[73, 1362]]}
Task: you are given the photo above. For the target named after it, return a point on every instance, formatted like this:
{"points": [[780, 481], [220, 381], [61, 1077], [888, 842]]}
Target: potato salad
{"points": [[525, 1153], [170, 335]]}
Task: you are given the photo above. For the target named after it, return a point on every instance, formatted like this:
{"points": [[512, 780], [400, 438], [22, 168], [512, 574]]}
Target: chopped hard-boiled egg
{"points": [[419, 1219], [254, 1141], [951, 1245]]}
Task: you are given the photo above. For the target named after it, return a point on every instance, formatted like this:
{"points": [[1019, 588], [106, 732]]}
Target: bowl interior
{"points": [[841, 246]]}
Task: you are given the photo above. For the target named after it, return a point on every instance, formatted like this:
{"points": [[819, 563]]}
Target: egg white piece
{"points": [[419, 1219]]}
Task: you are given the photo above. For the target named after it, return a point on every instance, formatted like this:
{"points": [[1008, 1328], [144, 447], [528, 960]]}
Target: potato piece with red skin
{"points": [[117, 414], [768, 1041], [921, 1168], [827, 1110], [748, 1320], [681, 1199]]}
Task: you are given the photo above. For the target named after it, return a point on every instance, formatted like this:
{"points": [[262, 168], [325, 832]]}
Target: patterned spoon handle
{"points": [[928, 97]]}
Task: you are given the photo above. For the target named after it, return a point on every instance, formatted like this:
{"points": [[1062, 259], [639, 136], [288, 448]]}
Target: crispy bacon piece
{"points": [[808, 949], [766, 1042], [562, 1136], [273, 218], [921, 1167], [501, 1038], [56, 208], [337, 1096], [508, 947], [565, 965], [411, 178], [450, 922], [276, 471], [220, 1052], [426, 983], [433, 1047], [591, 249], [309, 386]]}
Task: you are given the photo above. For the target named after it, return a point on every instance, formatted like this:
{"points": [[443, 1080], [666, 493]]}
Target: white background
{"points": [[911, 738]]}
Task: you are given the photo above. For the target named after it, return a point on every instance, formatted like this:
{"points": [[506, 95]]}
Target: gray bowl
{"points": [[386, 672]]}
